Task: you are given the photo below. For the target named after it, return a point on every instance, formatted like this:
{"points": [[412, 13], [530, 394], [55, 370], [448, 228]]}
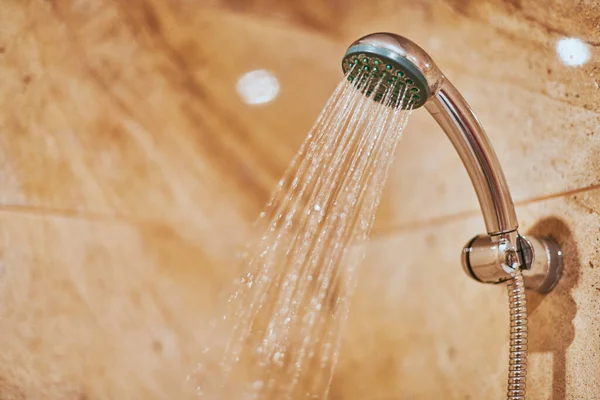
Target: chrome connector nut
{"points": [[494, 259]]}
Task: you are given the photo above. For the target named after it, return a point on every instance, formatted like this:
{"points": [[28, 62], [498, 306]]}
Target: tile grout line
{"points": [[378, 232], [444, 219], [36, 211], [557, 195]]}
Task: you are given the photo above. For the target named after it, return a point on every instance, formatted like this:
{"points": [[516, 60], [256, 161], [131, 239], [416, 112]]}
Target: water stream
{"points": [[285, 315]]}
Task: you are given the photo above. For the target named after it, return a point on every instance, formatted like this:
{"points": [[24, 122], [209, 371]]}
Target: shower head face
{"points": [[397, 70]]}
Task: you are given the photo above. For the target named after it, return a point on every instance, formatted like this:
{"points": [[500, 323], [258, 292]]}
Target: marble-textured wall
{"points": [[130, 169]]}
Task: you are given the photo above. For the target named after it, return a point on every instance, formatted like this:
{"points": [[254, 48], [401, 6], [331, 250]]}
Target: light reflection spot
{"points": [[258, 87], [572, 52]]}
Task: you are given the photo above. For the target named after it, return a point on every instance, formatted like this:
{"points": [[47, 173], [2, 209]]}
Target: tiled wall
{"points": [[130, 169]]}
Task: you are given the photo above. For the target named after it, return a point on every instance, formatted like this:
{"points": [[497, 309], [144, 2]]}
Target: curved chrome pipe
{"points": [[453, 114], [490, 258], [462, 127]]}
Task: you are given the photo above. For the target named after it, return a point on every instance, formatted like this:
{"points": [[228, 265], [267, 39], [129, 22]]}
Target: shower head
{"points": [[395, 64], [385, 64], [394, 71]]}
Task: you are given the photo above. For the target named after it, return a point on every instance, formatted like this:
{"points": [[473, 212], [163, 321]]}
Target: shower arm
{"points": [[498, 255], [462, 127], [540, 259]]}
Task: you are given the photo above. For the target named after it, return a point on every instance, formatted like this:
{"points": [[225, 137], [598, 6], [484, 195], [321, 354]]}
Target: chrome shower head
{"points": [[393, 70], [387, 61], [396, 65]]}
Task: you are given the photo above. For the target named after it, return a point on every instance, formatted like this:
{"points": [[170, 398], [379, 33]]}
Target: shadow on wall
{"points": [[551, 315]]}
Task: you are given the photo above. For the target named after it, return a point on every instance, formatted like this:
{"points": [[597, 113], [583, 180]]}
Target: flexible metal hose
{"points": [[517, 369]]}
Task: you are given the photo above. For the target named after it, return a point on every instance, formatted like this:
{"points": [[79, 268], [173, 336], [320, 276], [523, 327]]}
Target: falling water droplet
{"points": [[257, 385], [278, 357]]}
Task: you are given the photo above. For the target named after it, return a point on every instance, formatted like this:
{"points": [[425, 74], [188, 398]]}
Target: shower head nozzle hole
{"points": [[384, 78]]}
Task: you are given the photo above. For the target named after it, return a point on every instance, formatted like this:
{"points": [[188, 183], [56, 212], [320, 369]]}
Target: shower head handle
{"points": [[408, 66], [399, 67], [466, 134], [492, 258]]}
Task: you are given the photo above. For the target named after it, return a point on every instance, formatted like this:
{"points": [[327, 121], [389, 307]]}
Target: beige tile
{"points": [[109, 130], [101, 310], [420, 329], [114, 115], [97, 118]]}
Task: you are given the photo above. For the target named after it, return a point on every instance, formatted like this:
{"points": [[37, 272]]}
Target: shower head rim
{"points": [[407, 54], [390, 57]]}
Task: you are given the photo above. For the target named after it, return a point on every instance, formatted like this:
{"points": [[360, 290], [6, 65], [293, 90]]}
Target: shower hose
{"points": [[517, 368]]}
